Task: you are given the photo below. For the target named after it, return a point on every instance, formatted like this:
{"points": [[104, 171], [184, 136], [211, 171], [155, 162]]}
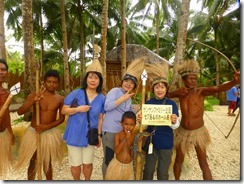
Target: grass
{"points": [[209, 102]]}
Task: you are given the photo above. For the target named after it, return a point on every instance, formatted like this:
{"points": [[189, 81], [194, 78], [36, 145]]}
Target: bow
{"points": [[231, 64]]}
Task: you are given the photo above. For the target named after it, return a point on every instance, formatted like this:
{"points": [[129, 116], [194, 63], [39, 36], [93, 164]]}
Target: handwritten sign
{"points": [[156, 115]]}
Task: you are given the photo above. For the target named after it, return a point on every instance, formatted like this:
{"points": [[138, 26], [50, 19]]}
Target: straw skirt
{"points": [[188, 139], [52, 148], [6, 159], [119, 171]]}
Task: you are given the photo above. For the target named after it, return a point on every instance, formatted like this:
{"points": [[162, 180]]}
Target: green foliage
{"points": [[209, 102], [19, 120], [137, 98], [15, 63]]}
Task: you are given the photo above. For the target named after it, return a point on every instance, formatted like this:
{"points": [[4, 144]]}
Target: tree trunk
{"points": [[2, 34], [42, 44], [28, 45], [181, 42], [82, 43], [104, 42], [65, 47], [157, 32], [123, 36]]}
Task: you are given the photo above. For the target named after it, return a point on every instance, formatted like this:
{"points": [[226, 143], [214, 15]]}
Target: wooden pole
{"points": [[139, 161], [5, 105], [14, 90], [38, 136]]}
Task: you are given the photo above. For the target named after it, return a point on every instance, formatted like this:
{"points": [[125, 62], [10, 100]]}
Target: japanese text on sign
{"points": [[156, 115]]}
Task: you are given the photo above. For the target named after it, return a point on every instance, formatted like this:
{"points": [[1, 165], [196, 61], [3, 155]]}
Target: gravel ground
{"points": [[223, 153]]}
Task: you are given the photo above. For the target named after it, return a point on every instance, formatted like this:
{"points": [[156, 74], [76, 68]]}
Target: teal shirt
{"points": [[77, 128]]}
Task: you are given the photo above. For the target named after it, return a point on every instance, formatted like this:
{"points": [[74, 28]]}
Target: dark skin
{"points": [[48, 115], [123, 140], [192, 108], [5, 121]]}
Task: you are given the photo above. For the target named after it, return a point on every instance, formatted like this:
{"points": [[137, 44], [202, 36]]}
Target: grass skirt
{"points": [[119, 171], [52, 148], [188, 139], [6, 159]]}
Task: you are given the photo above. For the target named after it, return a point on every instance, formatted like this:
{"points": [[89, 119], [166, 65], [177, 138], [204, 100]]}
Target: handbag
{"points": [[92, 133], [145, 147]]}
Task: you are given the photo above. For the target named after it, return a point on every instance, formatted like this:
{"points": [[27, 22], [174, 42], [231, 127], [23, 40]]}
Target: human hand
{"points": [[38, 97], [128, 134], [173, 118], [83, 108], [139, 117], [41, 128], [183, 91], [127, 95], [236, 76]]}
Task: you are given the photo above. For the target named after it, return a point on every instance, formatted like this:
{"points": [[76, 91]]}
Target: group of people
{"points": [[115, 120]]}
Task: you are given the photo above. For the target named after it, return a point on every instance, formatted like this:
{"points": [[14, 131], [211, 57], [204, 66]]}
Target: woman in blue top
{"points": [[118, 100], [79, 151], [162, 136]]}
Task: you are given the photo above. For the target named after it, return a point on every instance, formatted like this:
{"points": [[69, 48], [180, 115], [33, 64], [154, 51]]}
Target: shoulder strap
{"points": [[88, 114], [165, 100]]}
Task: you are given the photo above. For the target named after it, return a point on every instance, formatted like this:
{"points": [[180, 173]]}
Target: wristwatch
{"points": [[100, 135]]}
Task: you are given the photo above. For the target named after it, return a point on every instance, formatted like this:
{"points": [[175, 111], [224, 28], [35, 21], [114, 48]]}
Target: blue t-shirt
{"points": [[164, 137], [77, 128], [231, 94]]}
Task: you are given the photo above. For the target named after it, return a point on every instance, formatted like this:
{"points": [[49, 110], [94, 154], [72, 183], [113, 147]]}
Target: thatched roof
{"points": [[134, 51]]}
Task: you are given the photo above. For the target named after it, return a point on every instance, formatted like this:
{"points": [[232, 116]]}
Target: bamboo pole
{"points": [[14, 90], [139, 160], [5, 105], [38, 136]]}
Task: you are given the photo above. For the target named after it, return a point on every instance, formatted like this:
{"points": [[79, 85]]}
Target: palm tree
{"points": [[181, 41], [65, 49], [27, 26], [2, 35], [123, 38], [104, 39]]}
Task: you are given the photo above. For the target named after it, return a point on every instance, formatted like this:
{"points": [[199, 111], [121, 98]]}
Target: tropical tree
{"points": [[104, 39], [181, 42], [2, 35], [27, 26], [123, 38], [65, 49]]}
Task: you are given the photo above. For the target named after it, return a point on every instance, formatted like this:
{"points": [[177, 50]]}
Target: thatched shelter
{"points": [[133, 51]]}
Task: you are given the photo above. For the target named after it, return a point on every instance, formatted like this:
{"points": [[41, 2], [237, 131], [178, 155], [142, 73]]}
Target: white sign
{"points": [[156, 115]]}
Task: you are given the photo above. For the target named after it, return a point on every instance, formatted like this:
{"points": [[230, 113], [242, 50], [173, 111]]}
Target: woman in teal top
{"points": [[81, 154]]}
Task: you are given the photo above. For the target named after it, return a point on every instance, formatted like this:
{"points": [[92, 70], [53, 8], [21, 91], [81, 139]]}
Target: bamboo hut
{"points": [[133, 51]]}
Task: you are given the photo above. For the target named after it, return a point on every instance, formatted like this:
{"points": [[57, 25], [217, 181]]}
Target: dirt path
{"points": [[223, 154]]}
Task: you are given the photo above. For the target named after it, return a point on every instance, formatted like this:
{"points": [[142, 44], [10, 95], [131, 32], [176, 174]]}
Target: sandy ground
{"points": [[223, 154]]}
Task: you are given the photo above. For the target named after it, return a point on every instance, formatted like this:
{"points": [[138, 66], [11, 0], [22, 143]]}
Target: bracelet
{"points": [[100, 135]]}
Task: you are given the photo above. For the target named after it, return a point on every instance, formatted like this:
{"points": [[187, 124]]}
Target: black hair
{"points": [[184, 77], [99, 88], [166, 85], [52, 73], [135, 84], [4, 62], [130, 115]]}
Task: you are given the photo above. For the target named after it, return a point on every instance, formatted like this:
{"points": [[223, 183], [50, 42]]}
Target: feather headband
{"points": [[189, 67]]}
